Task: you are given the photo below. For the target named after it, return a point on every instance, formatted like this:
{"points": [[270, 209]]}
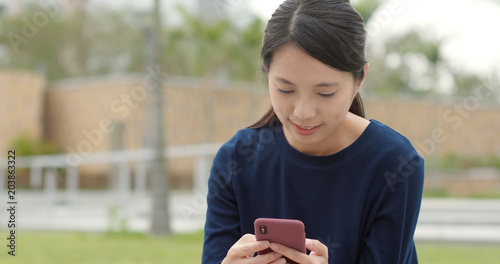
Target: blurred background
{"points": [[88, 87]]}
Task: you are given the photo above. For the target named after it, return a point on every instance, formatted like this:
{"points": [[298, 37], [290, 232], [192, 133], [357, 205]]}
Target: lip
{"points": [[305, 132]]}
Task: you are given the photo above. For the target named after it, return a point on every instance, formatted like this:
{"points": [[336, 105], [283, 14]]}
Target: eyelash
{"points": [[328, 95], [284, 92], [289, 92]]}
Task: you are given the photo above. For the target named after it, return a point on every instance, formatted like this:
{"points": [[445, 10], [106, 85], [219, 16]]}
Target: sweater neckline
{"points": [[328, 160]]}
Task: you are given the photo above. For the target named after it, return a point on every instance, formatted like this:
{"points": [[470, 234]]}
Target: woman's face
{"points": [[310, 99]]}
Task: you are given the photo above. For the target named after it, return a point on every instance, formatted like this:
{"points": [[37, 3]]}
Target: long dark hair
{"points": [[331, 31]]}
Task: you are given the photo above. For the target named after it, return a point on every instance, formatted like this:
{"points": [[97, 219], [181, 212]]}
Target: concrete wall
{"points": [[21, 106], [85, 115], [192, 106], [438, 129]]}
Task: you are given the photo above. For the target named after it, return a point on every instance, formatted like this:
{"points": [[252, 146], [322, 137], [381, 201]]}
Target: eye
{"points": [[327, 95], [284, 91]]}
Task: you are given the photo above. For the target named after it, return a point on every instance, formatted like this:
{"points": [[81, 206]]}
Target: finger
{"points": [[317, 248], [247, 246], [246, 238], [290, 253], [272, 258], [279, 261], [249, 249]]}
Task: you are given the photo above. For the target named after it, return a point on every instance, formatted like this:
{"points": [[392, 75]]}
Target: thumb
{"points": [[317, 248]]}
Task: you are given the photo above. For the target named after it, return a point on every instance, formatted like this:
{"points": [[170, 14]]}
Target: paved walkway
{"points": [[457, 220], [460, 220], [97, 211]]}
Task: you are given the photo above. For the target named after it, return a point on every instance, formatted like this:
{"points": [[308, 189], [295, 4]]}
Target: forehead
{"points": [[292, 63]]}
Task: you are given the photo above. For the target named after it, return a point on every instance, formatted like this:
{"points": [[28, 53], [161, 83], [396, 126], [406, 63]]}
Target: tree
{"points": [[88, 42], [408, 64], [413, 64], [218, 49], [63, 45], [160, 217], [366, 8]]}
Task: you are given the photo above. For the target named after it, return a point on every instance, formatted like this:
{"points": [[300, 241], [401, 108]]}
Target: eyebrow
{"points": [[323, 84]]}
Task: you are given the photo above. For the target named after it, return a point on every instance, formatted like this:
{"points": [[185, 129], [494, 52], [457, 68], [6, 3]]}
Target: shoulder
{"points": [[391, 145], [398, 161], [249, 139], [388, 138]]}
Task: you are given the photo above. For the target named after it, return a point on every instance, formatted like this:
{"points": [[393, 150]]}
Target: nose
{"points": [[304, 109]]}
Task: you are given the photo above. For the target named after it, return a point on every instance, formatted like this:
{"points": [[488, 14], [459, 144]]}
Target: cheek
{"points": [[279, 108], [277, 102], [335, 109]]}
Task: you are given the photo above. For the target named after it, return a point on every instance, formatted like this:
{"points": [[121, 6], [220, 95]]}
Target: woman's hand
{"points": [[318, 255], [244, 249]]}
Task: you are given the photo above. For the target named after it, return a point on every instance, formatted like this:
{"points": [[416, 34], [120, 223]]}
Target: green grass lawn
{"points": [[60, 247], [441, 253], [96, 248]]}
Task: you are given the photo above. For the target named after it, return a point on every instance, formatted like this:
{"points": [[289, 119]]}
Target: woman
{"points": [[355, 183]]}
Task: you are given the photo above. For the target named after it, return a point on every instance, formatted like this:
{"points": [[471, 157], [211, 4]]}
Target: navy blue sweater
{"points": [[362, 202]]}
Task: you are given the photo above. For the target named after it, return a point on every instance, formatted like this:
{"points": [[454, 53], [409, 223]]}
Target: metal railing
{"points": [[43, 169]]}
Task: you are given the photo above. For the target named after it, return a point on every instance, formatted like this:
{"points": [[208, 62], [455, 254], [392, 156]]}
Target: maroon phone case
{"points": [[288, 232]]}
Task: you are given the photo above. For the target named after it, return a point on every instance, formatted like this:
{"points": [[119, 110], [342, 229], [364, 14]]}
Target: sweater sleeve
{"points": [[222, 228], [390, 237]]}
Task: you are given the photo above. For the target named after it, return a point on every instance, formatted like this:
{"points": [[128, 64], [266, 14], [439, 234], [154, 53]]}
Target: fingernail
{"points": [[274, 246], [283, 261], [278, 255], [264, 244]]}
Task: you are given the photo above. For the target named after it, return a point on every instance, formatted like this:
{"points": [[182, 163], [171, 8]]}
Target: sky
{"points": [[467, 29]]}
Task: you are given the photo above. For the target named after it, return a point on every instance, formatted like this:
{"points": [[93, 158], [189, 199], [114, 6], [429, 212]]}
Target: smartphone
{"points": [[288, 232]]}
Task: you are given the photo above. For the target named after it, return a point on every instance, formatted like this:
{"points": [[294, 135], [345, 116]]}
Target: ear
{"points": [[360, 81]]}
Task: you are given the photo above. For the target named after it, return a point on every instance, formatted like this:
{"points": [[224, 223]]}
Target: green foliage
{"points": [[466, 83], [492, 195], [414, 42], [405, 76], [74, 44], [458, 162], [217, 50], [117, 224], [438, 193], [366, 8], [25, 145], [443, 193], [103, 41], [400, 76]]}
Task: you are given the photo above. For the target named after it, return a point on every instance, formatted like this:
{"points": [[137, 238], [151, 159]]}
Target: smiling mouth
{"points": [[307, 127], [305, 130], [303, 127]]}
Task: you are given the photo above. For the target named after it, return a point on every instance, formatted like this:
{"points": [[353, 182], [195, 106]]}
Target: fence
{"points": [[43, 169]]}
